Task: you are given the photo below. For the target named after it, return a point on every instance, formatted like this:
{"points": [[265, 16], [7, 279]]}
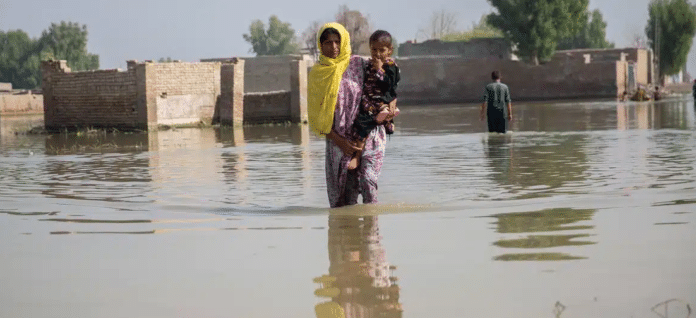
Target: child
{"points": [[381, 78]]}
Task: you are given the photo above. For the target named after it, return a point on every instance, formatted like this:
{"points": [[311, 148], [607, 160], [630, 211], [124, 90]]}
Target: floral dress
{"points": [[343, 185]]}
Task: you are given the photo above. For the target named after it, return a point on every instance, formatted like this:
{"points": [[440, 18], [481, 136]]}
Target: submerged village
{"points": [[573, 60], [196, 187], [236, 91]]}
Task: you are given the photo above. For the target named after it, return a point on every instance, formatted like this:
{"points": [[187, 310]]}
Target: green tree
{"points": [[670, 30], [479, 30], [68, 41], [277, 39], [19, 62], [21, 56], [535, 26], [359, 28], [591, 36]]}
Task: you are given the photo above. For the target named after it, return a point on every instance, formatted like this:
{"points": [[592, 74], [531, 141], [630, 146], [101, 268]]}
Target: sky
{"points": [[191, 30]]}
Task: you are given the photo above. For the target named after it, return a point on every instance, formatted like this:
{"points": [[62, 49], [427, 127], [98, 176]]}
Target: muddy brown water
{"points": [[586, 209]]}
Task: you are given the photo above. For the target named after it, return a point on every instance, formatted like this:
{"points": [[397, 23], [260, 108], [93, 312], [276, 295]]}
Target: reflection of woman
{"points": [[359, 274], [334, 93]]}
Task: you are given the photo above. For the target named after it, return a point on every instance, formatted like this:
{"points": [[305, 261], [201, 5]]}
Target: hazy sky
{"points": [[191, 30]]}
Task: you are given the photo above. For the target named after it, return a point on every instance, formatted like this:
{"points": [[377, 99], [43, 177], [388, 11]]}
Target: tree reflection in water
{"points": [[359, 283]]}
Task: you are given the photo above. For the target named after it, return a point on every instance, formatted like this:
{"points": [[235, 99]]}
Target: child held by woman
{"points": [[379, 90]]}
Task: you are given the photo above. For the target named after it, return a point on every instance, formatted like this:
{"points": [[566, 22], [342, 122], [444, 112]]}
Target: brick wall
{"points": [[230, 106], [643, 67], [145, 96], [267, 107], [27, 103], [150, 94], [289, 104], [621, 77], [274, 87], [640, 57], [88, 99], [266, 73], [429, 80], [494, 48], [181, 93]]}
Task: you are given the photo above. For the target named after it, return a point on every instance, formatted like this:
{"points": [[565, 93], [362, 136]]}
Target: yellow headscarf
{"points": [[323, 82]]}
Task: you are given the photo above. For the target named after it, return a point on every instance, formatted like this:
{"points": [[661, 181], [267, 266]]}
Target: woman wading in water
{"points": [[334, 89]]}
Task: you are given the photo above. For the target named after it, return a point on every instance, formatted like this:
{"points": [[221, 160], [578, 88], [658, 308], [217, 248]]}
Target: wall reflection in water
{"points": [[563, 116], [234, 163], [551, 220], [121, 177], [220, 162], [11, 125], [274, 156], [651, 115], [96, 141], [175, 166], [359, 282]]}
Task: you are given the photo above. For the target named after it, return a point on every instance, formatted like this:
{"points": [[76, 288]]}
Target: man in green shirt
{"points": [[497, 105]]}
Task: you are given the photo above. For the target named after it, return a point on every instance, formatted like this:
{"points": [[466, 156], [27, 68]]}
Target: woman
{"points": [[334, 92]]}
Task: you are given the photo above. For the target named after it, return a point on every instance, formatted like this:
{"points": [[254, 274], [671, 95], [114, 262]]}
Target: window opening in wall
{"points": [[631, 78], [588, 58]]}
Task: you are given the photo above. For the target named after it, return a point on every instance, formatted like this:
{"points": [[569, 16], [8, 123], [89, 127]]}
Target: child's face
{"points": [[380, 51]]}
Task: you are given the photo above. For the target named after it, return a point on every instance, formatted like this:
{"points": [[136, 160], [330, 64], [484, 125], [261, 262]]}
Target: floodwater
{"points": [[586, 209]]}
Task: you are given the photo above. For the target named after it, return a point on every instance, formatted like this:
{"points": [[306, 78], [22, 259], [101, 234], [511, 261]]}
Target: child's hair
{"points": [[325, 35], [381, 36], [495, 75]]}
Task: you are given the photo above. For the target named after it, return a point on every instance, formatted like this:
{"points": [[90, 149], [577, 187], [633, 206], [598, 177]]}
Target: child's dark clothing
{"points": [[379, 89]]}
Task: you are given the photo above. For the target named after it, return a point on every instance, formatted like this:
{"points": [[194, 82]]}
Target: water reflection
{"points": [[498, 149], [11, 126], [234, 163], [96, 141], [531, 166], [654, 115], [551, 220], [359, 282], [563, 116], [119, 178], [274, 156], [676, 202], [27, 213], [280, 166], [552, 116], [230, 136]]}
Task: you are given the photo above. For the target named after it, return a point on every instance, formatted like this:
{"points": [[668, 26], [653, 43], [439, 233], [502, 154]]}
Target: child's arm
{"points": [[377, 64]]}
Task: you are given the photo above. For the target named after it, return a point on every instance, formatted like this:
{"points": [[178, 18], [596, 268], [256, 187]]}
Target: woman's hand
{"points": [[348, 147]]}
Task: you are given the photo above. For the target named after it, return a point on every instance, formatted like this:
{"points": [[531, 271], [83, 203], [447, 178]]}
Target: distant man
{"points": [[693, 89], [497, 105]]}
